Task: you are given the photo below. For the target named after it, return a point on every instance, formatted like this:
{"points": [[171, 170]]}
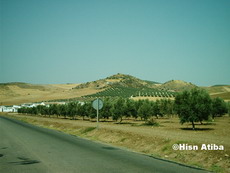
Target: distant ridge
{"points": [[22, 85], [219, 85], [13, 83]]}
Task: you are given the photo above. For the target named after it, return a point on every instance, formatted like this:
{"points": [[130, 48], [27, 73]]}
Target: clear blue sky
{"points": [[74, 41]]}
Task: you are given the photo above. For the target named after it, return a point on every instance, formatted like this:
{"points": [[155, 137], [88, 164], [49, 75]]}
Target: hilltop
{"points": [[118, 80]]}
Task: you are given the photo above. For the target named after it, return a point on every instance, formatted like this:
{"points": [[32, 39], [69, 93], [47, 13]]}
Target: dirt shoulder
{"points": [[156, 141]]}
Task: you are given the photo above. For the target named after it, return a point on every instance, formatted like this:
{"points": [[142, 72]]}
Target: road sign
{"points": [[97, 104]]}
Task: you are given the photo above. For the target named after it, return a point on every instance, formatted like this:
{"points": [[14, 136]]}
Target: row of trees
{"points": [[127, 92], [115, 108], [191, 106]]}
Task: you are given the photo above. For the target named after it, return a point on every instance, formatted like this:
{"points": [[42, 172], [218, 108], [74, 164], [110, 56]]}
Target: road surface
{"points": [[28, 148]]}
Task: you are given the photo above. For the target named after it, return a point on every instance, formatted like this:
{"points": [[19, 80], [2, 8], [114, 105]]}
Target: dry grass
{"points": [[64, 86], [15, 94], [153, 140], [219, 91], [225, 96]]}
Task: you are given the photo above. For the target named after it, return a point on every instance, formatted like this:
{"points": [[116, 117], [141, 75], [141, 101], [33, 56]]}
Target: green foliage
{"points": [[107, 109], [86, 110], [193, 106], [115, 108], [165, 106], [118, 109], [155, 108], [217, 168], [144, 110], [130, 109], [219, 107], [228, 105]]}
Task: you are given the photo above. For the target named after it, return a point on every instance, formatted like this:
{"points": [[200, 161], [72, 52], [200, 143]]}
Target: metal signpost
{"points": [[97, 104]]}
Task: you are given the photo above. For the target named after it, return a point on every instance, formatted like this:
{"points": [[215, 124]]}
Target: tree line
{"points": [[115, 108], [191, 106]]}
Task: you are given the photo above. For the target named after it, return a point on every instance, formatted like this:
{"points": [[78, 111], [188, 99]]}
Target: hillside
{"points": [[177, 85], [18, 93], [127, 86], [115, 85], [222, 91]]}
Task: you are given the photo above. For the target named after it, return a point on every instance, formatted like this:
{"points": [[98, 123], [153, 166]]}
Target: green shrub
{"points": [[152, 122]]}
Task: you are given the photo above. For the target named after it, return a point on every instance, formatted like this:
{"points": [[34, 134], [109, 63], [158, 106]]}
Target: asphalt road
{"points": [[27, 148]]}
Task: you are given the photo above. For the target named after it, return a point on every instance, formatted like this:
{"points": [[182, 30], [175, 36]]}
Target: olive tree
{"points": [[144, 110], [118, 109], [219, 107], [193, 106], [155, 106]]}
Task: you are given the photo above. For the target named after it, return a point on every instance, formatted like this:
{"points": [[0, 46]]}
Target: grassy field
{"points": [[156, 140]]}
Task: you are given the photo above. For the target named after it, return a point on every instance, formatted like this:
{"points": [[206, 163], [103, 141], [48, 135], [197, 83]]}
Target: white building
{"points": [[8, 109], [13, 108]]}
